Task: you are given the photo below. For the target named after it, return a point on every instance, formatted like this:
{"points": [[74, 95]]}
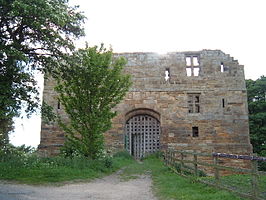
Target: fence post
{"points": [[181, 163], [216, 170], [254, 179], [173, 159], [195, 163], [167, 157]]}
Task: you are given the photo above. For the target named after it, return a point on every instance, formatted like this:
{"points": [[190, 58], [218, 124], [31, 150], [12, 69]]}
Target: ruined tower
{"points": [[181, 100]]}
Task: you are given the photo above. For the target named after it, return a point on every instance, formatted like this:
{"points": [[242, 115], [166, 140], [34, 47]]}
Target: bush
{"points": [[10, 152]]}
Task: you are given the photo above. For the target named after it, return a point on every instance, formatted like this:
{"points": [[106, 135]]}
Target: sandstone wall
{"points": [[222, 120]]}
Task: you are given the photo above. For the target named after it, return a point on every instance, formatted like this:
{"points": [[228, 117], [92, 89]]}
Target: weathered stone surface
{"points": [[222, 120]]}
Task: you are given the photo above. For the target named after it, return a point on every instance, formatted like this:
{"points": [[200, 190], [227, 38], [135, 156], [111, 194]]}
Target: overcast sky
{"points": [[237, 27]]}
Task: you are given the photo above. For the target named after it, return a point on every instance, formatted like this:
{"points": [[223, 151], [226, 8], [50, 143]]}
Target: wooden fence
{"points": [[177, 161]]}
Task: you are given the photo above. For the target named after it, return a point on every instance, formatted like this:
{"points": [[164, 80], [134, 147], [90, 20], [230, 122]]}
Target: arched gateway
{"points": [[142, 135]]}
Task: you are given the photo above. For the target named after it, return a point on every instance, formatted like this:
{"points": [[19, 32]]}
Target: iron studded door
{"points": [[142, 135]]}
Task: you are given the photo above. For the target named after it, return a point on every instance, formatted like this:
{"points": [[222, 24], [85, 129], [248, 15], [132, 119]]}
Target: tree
{"points": [[34, 35], [92, 84], [256, 91]]}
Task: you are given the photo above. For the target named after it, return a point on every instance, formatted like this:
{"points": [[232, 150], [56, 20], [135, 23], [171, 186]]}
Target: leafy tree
{"points": [[92, 84], [257, 114], [34, 35]]}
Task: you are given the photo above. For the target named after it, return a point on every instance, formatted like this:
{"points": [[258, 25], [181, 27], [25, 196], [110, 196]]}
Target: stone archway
{"points": [[142, 135]]}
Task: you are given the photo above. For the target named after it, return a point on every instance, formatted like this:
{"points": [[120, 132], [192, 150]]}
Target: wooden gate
{"points": [[142, 135]]}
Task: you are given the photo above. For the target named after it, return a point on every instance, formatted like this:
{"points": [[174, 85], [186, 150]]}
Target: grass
{"points": [[35, 170], [168, 185], [242, 183]]}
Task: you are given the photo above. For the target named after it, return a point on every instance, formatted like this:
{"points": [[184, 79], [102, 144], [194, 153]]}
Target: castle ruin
{"points": [[182, 100]]}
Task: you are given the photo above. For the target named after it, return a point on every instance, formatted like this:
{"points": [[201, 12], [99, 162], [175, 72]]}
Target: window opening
{"points": [[58, 105], [196, 71], [193, 103], [222, 67], [167, 74], [223, 103], [189, 72], [195, 131], [195, 61], [188, 61], [192, 65]]}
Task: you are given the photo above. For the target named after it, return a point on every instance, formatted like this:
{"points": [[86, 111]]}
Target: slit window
{"points": [[195, 131], [222, 67], [223, 103], [58, 105], [193, 103], [167, 74], [192, 65]]}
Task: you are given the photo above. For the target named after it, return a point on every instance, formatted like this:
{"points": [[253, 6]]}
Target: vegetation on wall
{"points": [[256, 91], [35, 35], [90, 86]]}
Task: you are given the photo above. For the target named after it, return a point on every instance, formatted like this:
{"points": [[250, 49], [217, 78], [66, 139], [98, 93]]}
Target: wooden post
{"points": [[254, 179], [171, 163], [173, 160], [166, 157], [170, 157], [216, 170], [182, 163], [195, 164]]}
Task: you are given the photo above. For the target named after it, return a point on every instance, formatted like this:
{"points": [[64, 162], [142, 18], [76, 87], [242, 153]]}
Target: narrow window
{"points": [[188, 61], [222, 67], [196, 71], [189, 72], [195, 131], [58, 105], [195, 61], [223, 103], [193, 103], [167, 74]]}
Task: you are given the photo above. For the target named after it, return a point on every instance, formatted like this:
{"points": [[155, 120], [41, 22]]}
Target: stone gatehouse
{"points": [[182, 100]]}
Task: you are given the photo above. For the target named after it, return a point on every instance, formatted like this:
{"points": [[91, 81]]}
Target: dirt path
{"points": [[108, 188]]}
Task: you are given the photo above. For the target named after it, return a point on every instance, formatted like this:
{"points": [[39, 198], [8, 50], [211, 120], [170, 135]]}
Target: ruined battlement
{"points": [[195, 69]]}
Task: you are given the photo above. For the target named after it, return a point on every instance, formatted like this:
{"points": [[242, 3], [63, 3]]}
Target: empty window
{"points": [[193, 103], [192, 65], [167, 74], [222, 67], [58, 105], [195, 131], [188, 61], [223, 103], [195, 61], [189, 72], [196, 71]]}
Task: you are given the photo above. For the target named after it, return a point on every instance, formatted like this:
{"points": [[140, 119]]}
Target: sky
{"points": [[237, 27]]}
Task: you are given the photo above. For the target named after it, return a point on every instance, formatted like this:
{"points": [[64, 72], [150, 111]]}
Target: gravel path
{"points": [[108, 188]]}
